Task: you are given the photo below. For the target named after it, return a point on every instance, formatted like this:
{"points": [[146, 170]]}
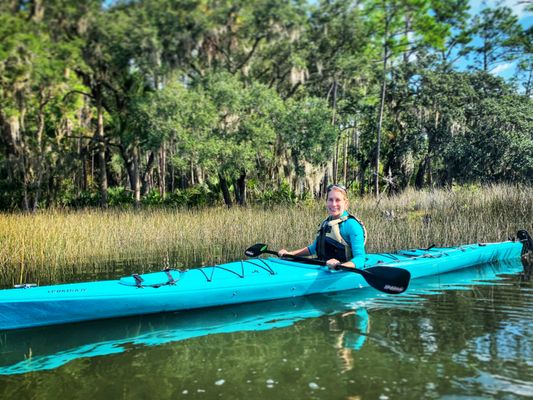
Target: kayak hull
{"points": [[236, 282]]}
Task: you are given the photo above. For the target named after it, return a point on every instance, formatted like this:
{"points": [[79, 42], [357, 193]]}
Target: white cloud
{"points": [[501, 68]]}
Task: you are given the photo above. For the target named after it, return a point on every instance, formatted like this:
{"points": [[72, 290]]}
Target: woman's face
{"points": [[336, 203]]}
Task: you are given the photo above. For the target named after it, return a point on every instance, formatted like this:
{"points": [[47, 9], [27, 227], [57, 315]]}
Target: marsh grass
{"points": [[57, 243]]}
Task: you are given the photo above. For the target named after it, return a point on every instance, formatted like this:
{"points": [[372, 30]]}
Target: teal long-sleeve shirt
{"points": [[352, 232]]}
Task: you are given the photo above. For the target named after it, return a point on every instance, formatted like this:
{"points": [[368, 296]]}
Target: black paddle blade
{"points": [[256, 250], [387, 279]]}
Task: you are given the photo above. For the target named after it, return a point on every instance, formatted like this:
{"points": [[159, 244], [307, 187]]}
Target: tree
{"points": [[402, 27], [154, 96], [499, 35], [525, 62], [496, 145], [244, 135], [307, 137], [35, 78]]}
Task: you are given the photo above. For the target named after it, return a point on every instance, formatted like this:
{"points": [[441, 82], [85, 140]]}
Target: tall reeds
{"points": [[49, 243]]}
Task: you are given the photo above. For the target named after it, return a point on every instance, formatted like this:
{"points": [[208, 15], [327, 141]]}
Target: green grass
{"points": [[51, 242]]}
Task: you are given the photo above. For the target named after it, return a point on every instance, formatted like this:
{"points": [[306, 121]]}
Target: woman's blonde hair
{"points": [[338, 188]]}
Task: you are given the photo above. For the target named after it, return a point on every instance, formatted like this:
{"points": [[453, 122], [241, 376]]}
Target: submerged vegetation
{"points": [[48, 243]]}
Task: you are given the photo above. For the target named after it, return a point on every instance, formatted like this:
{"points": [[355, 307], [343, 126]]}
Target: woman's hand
{"points": [[283, 252], [332, 263]]}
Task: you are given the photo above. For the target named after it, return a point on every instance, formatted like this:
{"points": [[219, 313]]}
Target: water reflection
{"points": [[352, 328], [348, 315]]}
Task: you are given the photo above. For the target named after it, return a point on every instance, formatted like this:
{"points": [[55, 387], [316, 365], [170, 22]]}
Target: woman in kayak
{"points": [[341, 237]]}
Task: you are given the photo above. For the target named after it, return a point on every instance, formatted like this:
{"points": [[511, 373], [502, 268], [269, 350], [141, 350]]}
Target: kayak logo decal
{"points": [[398, 289], [67, 291]]}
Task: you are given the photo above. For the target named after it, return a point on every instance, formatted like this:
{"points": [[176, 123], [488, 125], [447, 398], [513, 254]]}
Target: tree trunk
{"points": [[362, 182], [345, 161], [172, 168], [199, 173], [40, 159], [102, 169], [381, 106], [162, 171], [37, 10], [380, 124], [333, 120], [237, 191], [92, 166], [328, 173], [12, 130], [193, 181], [225, 190], [421, 173], [136, 176], [25, 199], [147, 178], [240, 189], [83, 178], [15, 5], [355, 141]]}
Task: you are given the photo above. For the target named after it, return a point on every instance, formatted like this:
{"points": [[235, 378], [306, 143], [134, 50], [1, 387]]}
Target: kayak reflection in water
{"points": [[341, 237]]}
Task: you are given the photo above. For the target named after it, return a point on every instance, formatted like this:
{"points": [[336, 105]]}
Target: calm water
{"points": [[461, 335]]}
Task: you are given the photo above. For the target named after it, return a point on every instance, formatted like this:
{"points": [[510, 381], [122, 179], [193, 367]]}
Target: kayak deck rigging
{"points": [[238, 268], [262, 264]]}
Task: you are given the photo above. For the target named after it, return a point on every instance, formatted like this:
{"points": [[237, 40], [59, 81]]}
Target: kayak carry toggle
{"points": [[25, 286]]}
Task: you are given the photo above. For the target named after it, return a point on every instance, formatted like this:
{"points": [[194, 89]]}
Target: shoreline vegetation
{"points": [[50, 243], [195, 103]]}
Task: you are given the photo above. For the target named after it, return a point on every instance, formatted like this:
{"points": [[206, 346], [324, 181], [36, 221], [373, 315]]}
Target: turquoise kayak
{"points": [[245, 281], [53, 346]]}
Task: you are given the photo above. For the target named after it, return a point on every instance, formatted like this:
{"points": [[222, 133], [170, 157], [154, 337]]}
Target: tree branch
{"points": [[78, 92], [250, 53]]}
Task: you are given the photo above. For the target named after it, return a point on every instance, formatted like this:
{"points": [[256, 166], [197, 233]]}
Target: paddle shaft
{"points": [[383, 278], [320, 262], [298, 258]]}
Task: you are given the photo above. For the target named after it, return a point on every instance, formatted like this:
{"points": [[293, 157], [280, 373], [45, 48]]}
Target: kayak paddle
{"points": [[385, 279]]}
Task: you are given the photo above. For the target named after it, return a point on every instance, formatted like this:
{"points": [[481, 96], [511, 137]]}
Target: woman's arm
{"points": [[304, 251], [356, 238]]}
